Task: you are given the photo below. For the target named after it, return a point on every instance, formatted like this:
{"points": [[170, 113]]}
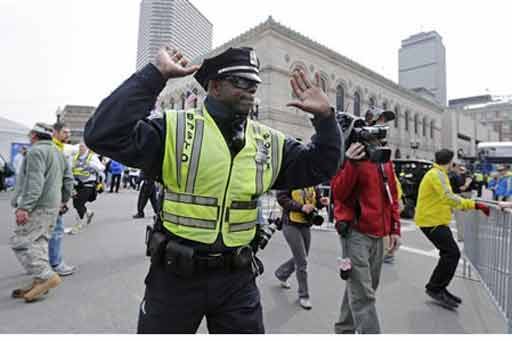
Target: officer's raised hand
{"points": [[310, 96], [172, 64]]}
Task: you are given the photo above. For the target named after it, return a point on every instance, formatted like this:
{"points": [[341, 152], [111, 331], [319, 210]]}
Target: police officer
{"points": [[86, 169], [214, 164]]}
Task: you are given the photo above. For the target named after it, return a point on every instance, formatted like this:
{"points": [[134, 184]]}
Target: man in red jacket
{"points": [[365, 199]]}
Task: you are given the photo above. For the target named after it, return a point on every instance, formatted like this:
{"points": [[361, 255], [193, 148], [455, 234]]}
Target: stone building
{"points": [[493, 111], [350, 86]]}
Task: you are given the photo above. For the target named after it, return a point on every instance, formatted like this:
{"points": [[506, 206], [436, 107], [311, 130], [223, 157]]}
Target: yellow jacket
{"points": [[436, 199]]}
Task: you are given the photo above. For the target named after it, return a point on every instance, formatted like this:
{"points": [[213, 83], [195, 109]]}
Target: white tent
{"points": [[11, 132]]}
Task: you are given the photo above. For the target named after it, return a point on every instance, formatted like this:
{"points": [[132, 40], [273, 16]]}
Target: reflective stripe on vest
{"points": [[208, 192], [80, 168]]}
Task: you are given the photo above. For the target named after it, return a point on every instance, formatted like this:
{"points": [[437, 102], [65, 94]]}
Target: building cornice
{"points": [[271, 25]]}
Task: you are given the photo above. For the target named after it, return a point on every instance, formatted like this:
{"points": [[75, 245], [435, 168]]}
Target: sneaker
{"points": [[68, 230], [138, 216], [457, 299], [41, 287], [389, 259], [305, 303], [89, 215], [77, 228], [443, 299], [64, 270], [285, 284]]}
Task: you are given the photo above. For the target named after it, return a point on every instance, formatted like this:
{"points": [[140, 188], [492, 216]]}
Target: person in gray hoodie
{"points": [[45, 186]]}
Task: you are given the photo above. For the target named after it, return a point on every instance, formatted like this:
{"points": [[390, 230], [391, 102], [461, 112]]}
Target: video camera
{"points": [[356, 129]]}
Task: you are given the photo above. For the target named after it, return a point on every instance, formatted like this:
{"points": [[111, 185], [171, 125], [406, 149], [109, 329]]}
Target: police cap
{"points": [[241, 62]]}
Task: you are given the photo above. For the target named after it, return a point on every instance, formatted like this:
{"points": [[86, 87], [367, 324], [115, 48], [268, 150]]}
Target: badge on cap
{"points": [[253, 59]]}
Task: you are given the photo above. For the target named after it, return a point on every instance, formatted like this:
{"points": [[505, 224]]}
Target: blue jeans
{"points": [[55, 243]]}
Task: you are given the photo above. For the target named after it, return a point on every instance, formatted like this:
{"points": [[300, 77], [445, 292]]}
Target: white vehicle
{"points": [[495, 152]]}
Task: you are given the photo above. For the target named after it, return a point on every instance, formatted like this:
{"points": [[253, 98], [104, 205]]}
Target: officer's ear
{"points": [[214, 87]]}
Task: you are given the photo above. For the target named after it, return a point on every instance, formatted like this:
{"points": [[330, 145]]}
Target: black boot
{"points": [[443, 299], [138, 216], [453, 297]]}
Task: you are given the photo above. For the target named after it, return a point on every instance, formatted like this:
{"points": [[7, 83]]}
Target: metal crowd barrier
{"points": [[488, 251]]}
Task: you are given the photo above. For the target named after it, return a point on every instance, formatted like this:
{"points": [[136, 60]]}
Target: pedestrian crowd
{"points": [[204, 171]]}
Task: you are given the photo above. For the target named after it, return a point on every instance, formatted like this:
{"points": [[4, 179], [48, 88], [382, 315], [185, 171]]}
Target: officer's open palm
{"points": [[311, 97], [172, 64]]}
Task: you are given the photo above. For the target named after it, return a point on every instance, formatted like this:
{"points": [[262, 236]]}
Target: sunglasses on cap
{"points": [[241, 83]]}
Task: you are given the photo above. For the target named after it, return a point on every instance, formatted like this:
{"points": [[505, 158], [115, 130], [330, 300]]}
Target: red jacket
{"points": [[362, 181]]}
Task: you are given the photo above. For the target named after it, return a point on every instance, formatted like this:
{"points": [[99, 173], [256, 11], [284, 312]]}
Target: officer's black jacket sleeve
{"points": [[120, 127], [314, 163]]}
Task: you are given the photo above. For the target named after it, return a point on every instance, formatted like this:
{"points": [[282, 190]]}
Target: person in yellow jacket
{"points": [[433, 215]]}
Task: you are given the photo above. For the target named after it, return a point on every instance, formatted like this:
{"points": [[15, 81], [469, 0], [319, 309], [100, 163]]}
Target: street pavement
{"points": [[103, 296]]}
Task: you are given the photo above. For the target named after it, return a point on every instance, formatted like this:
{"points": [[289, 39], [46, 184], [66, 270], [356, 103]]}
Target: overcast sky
{"points": [[58, 52]]}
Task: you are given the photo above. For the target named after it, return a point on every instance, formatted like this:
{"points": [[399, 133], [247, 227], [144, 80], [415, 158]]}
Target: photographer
{"points": [[366, 210], [299, 213]]}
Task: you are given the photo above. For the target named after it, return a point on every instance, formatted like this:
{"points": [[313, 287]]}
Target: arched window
{"points": [[183, 99], [340, 98], [424, 127], [372, 101], [406, 120], [385, 106], [172, 103], [416, 119], [196, 97], [298, 67], [323, 84], [432, 126], [397, 118], [357, 104]]}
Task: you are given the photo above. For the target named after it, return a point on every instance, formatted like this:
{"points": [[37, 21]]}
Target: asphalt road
{"points": [[104, 295]]}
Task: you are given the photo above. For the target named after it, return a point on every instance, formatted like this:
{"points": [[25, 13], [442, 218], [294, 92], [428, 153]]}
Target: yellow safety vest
{"points": [[303, 197], [80, 166], [479, 177], [206, 191]]}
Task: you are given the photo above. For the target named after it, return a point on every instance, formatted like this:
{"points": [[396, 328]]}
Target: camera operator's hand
{"points": [[355, 151], [308, 208], [325, 201], [172, 64], [394, 242], [311, 98]]}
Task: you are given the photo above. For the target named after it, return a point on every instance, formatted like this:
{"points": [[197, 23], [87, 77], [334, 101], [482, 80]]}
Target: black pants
{"points": [[174, 305], [82, 196], [116, 180], [147, 191], [442, 238]]}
